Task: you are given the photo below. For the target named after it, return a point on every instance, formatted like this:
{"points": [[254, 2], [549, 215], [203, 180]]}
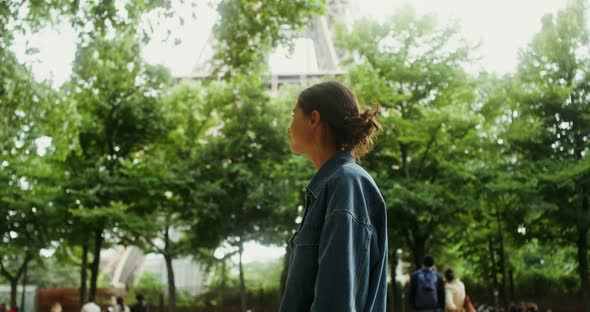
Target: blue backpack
{"points": [[426, 293]]}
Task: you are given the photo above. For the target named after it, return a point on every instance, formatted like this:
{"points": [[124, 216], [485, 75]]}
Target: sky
{"points": [[503, 27]]}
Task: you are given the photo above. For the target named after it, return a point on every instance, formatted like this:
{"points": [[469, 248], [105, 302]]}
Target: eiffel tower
{"points": [[320, 31]]}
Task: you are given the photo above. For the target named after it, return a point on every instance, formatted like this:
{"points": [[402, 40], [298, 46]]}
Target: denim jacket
{"points": [[338, 256]]}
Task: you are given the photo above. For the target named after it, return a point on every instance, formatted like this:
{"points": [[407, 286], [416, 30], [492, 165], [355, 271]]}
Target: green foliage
{"points": [[248, 30], [413, 68], [150, 285], [30, 189], [240, 159], [52, 273], [116, 96], [471, 167], [553, 79], [262, 277], [265, 275], [551, 101]]}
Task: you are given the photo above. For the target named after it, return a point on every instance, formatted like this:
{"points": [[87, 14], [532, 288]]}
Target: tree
{"points": [[172, 217], [28, 202], [116, 95], [30, 218], [12, 21], [409, 67], [413, 68], [88, 18], [240, 159], [500, 196], [552, 125], [248, 31], [31, 111]]}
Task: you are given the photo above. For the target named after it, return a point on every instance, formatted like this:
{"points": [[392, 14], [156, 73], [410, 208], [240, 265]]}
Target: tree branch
{"points": [[429, 146], [5, 272], [28, 258]]}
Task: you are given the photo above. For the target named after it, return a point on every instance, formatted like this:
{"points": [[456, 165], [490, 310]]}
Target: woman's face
{"points": [[300, 131]]}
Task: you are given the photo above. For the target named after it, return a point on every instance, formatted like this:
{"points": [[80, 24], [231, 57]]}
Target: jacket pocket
{"points": [[307, 236]]}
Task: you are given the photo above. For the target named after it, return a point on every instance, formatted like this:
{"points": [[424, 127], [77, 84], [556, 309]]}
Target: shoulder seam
{"points": [[354, 218]]}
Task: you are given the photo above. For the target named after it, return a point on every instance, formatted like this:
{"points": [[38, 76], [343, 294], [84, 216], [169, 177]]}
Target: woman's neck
{"points": [[321, 156]]}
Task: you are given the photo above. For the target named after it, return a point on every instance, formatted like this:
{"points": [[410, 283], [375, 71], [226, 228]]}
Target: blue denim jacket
{"points": [[338, 256]]}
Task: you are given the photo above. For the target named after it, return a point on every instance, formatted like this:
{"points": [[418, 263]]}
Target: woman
{"points": [[338, 256], [455, 292], [121, 306]]}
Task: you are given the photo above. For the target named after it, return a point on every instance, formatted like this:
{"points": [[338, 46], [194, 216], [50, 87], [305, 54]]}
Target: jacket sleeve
{"points": [[342, 257]]}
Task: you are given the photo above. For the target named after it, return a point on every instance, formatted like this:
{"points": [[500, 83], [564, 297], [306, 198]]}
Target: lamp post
{"points": [[22, 298], [496, 299]]}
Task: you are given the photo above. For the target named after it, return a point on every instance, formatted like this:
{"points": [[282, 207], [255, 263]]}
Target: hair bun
{"points": [[358, 129]]}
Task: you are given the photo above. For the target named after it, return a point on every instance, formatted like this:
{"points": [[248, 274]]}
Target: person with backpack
{"points": [[140, 306], [427, 288]]}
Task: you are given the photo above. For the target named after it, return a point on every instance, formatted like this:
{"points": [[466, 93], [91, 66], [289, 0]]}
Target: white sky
{"points": [[503, 26], [254, 252]]}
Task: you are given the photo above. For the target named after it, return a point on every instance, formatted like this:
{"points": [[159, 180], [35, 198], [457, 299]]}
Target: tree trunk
{"points": [[419, 251], [223, 281], [390, 295], [95, 262], [242, 283], [494, 272], [83, 273], [169, 269], [24, 291], [13, 289], [502, 260], [171, 284], [511, 276], [13, 279], [261, 296], [393, 287], [582, 245]]}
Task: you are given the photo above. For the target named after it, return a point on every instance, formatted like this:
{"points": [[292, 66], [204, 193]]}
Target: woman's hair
{"points": [[450, 274], [339, 109], [428, 261], [121, 302]]}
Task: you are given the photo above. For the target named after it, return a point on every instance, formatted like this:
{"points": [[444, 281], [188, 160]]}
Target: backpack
{"points": [[140, 307], [426, 293]]}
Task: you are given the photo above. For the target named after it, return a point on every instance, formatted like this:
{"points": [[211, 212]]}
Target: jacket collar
{"points": [[328, 168]]}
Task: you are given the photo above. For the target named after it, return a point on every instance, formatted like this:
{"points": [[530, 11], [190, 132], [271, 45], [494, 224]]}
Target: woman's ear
{"points": [[315, 118]]}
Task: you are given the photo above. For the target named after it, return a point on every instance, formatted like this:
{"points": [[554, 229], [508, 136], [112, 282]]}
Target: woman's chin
{"points": [[295, 150]]}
